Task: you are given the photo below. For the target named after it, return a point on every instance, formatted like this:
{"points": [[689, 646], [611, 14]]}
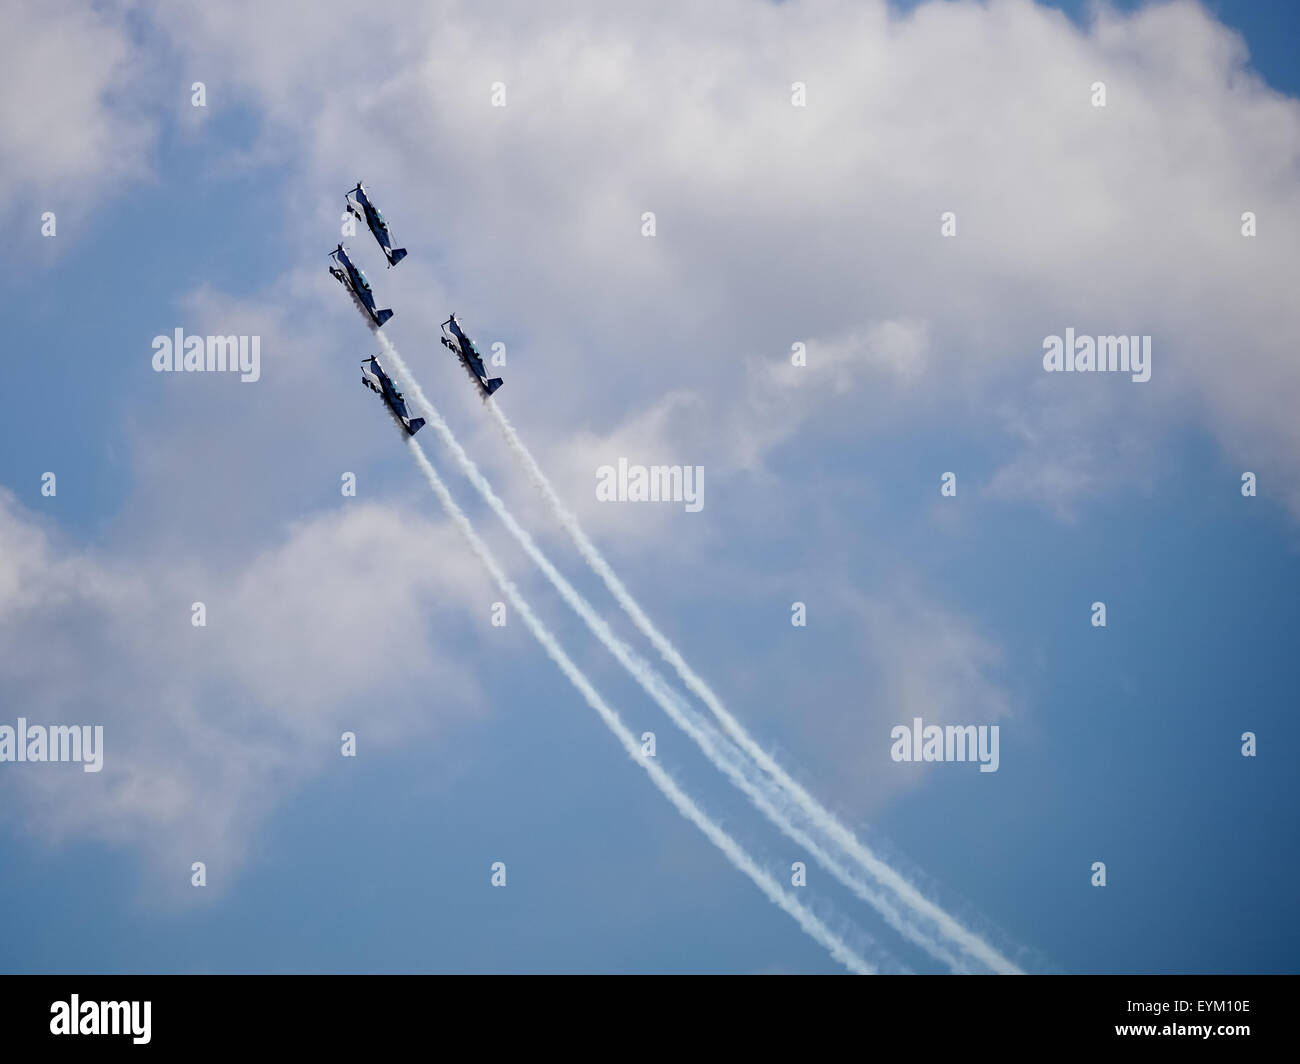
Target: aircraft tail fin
{"points": [[383, 315], [397, 256], [417, 423], [494, 384]]}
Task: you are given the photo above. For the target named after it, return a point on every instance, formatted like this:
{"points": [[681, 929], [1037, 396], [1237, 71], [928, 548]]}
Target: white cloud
{"points": [[913, 656], [778, 223], [208, 729], [71, 125]]}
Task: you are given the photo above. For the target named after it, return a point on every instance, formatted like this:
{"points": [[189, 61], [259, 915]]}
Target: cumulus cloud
{"points": [[207, 729], [70, 121], [778, 223]]}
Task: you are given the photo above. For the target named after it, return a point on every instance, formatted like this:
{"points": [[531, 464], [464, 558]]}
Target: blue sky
{"points": [[775, 225]]}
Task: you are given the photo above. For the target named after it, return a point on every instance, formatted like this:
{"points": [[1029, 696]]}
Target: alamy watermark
{"points": [[179, 353], [660, 483], [102, 1017], [1098, 354], [58, 742], [951, 742]]}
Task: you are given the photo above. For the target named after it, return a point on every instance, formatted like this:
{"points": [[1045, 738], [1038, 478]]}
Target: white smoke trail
{"points": [[960, 936], [684, 804], [769, 798]]}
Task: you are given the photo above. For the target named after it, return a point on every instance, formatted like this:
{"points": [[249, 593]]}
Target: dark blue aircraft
{"points": [[468, 354], [378, 381], [351, 278], [367, 212]]}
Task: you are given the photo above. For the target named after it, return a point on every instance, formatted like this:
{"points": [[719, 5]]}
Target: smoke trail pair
{"points": [[768, 797], [735, 853], [772, 796], [931, 914]]}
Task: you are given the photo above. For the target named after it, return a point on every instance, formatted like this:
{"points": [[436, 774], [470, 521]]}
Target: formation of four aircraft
{"points": [[348, 274]]}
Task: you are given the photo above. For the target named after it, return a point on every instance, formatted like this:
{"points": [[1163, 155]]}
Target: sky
{"points": [[775, 225]]}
